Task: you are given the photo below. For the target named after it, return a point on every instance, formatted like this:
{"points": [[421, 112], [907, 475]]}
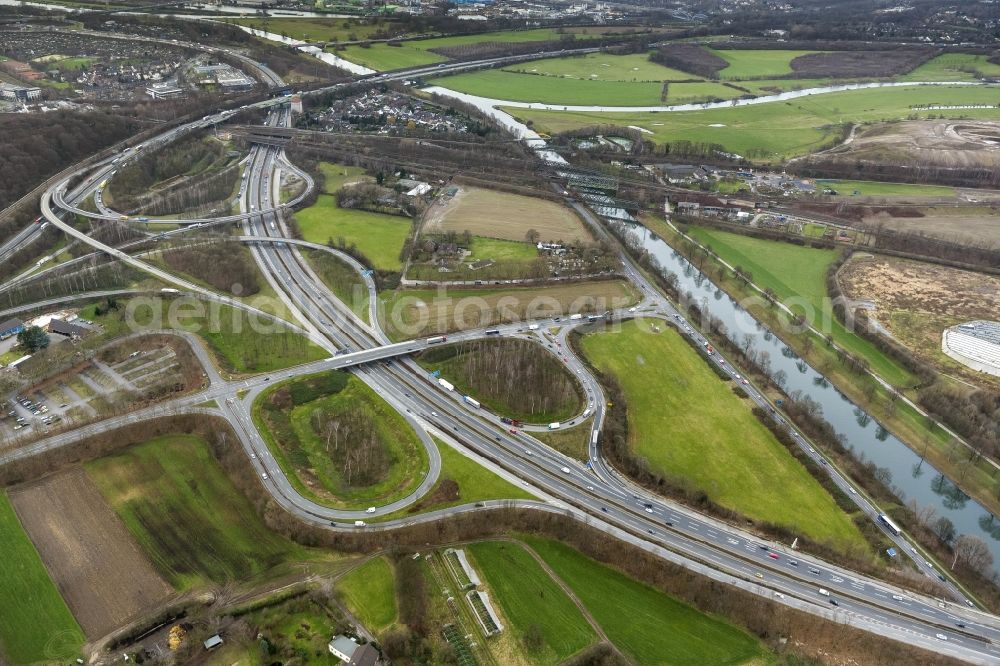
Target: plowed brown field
{"points": [[99, 570]]}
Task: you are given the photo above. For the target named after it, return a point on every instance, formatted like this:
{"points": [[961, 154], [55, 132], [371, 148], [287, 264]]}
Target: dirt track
{"points": [[97, 566], [943, 143]]}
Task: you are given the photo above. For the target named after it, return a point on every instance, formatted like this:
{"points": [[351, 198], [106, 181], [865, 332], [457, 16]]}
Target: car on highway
{"points": [[370, 509], [264, 476], [774, 556], [897, 597], [940, 637]]}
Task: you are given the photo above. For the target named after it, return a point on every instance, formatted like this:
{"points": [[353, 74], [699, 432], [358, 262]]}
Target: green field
{"points": [[317, 29], [336, 176], [238, 345], [873, 188], [475, 482], [629, 80], [370, 592], [529, 597], [183, 511], [692, 428], [953, 67], [799, 272], [647, 625], [35, 623], [306, 458], [378, 237], [383, 57], [602, 67], [500, 250], [549, 90], [752, 63], [779, 129]]}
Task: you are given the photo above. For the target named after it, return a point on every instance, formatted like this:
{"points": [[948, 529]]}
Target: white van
{"points": [[825, 593], [359, 523]]}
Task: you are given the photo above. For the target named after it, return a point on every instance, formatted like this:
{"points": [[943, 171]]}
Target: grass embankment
{"points": [[411, 313], [799, 273], [779, 130], [978, 477], [369, 591], [183, 511], [239, 344], [573, 442], [35, 623], [509, 376], [342, 280], [377, 236], [647, 625], [874, 188], [338, 442], [693, 429], [543, 617], [462, 481]]}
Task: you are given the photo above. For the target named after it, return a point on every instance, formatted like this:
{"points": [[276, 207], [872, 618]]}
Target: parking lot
{"points": [[96, 389]]}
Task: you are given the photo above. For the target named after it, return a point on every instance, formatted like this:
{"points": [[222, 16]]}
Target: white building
{"points": [[975, 344]]}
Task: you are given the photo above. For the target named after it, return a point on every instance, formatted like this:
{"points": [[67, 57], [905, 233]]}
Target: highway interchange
{"points": [[590, 491]]}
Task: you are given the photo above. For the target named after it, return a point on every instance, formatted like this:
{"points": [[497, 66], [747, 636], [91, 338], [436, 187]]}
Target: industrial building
{"points": [[19, 93], [226, 77], [975, 344]]}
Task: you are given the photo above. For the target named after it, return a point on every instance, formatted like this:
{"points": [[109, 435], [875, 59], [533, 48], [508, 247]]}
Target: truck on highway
{"points": [[554, 426], [593, 437], [887, 521], [575, 317], [437, 339], [359, 523], [168, 290], [446, 385], [472, 401], [493, 331], [532, 327]]}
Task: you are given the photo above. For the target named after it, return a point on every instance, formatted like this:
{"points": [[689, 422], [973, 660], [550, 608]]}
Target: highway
{"points": [[586, 490]]}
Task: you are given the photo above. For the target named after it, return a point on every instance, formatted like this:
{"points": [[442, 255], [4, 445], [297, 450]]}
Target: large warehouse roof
{"points": [[976, 344]]}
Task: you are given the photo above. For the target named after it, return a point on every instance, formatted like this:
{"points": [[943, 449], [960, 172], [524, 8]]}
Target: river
{"points": [[911, 479]]}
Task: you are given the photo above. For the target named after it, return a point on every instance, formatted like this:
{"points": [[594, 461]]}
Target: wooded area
{"points": [[36, 146]]}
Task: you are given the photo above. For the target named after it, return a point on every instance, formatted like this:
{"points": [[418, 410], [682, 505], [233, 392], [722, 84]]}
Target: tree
{"points": [[532, 236], [973, 553], [944, 529], [32, 339]]}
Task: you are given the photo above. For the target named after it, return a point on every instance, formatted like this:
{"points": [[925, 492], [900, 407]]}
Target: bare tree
{"points": [[973, 553]]}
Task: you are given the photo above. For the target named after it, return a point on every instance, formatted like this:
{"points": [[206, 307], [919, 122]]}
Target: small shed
{"points": [[213, 642]]}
